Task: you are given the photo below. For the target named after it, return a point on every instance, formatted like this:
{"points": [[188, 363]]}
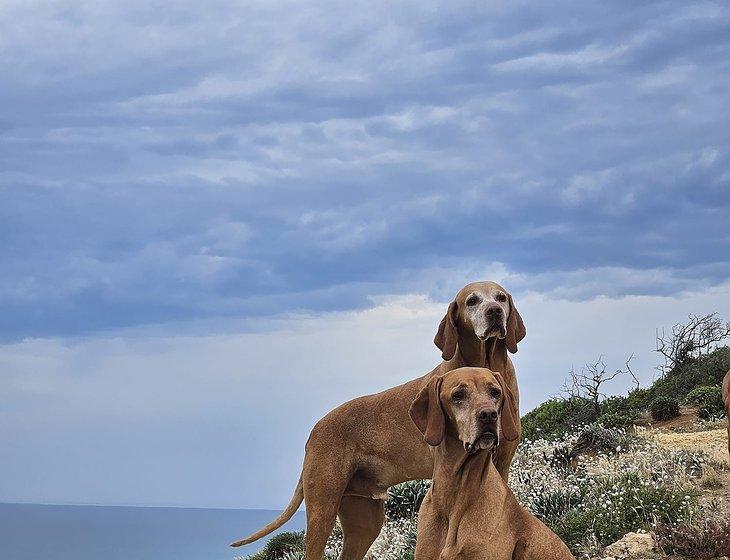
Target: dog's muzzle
{"points": [[488, 437], [496, 330]]}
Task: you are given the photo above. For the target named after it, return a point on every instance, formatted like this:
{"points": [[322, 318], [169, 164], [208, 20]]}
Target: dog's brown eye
{"points": [[501, 297], [472, 300], [458, 395], [495, 393]]}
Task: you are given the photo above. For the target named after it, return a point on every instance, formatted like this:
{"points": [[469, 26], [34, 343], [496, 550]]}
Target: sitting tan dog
{"points": [[366, 445], [470, 513]]}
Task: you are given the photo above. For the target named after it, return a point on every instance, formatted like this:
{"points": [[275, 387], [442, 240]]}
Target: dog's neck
{"points": [[466, 484], [491, 353]]}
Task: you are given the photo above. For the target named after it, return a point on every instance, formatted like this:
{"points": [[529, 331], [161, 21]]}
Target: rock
{"points": [[632, 545]]}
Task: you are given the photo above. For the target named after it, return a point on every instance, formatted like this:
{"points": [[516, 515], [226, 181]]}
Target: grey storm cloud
{"points": [[166, 163]]}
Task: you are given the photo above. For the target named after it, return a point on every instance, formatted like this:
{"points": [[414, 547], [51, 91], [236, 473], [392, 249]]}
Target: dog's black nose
{"points": [[494, 311], [487, 415]]}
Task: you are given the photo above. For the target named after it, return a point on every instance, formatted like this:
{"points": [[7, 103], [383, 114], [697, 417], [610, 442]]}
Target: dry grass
{"points": [[712, 442], [711, 479], [705, 540], [714, 501]]}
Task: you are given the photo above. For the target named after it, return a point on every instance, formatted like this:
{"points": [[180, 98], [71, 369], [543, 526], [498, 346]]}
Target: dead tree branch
{"points": [[631, 372], [697, 336], [587, 384]]}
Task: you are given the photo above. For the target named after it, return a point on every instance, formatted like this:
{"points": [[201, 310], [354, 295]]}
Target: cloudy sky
{"points": [[219, 220]]}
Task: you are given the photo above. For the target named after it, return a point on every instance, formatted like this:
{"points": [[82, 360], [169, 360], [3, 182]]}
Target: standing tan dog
{"points": [[726, 400], [470, 512], [368, 444]]}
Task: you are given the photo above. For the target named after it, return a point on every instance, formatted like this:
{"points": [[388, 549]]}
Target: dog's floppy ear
{"points": [[447, 335], [427, 413], [509, 411], [515, 327]]}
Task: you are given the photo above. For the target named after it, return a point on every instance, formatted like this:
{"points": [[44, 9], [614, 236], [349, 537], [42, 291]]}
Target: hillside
{"points": [[702, 375]]}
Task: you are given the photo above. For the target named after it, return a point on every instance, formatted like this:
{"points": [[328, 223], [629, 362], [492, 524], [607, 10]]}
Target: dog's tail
{"points": [[296, 501]]}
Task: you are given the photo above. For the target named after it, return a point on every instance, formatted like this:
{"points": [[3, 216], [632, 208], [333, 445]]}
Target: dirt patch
{"points": [[686, 420]]}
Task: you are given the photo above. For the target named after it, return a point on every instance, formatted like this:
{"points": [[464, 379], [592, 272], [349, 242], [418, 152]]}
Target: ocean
{"points": [[42, 532]]}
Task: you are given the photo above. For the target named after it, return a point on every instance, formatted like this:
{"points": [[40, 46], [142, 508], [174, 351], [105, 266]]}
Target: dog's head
{"points": [[471, 404], [480, 311]]}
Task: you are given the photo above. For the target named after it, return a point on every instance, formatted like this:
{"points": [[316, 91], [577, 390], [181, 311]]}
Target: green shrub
{"points": [[620, 412], [705, 370], [404, 500], [281, 546], [616, 505], [664, 408], [556, 416], [707, 399], [410, 544], [708, 539], [614, 420], [638, 400], [572, 528], [613, 405], [551, 506]]}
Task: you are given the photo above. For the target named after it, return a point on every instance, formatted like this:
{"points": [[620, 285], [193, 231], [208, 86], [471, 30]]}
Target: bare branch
{"points": [[698, 336], [630, 371], [588, 383]]}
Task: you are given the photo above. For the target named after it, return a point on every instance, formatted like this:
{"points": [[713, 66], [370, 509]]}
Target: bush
{"points": [[613, 405], [638, 400], [558, 416], [705, 370], [710, 539], [404, 500], [707, 399], [617, 505], [555, 417], [598, 440], [281, 546], [553, 505], [664, 408], [613, 420]]}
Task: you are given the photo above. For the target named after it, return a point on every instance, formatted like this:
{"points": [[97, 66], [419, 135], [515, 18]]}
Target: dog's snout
{"points": [[487, 415], [494, 311]]}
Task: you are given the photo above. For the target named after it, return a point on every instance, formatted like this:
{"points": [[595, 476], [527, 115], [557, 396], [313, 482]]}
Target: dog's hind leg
{"points": [[361, 519], [323, 484], [321, 516]]}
